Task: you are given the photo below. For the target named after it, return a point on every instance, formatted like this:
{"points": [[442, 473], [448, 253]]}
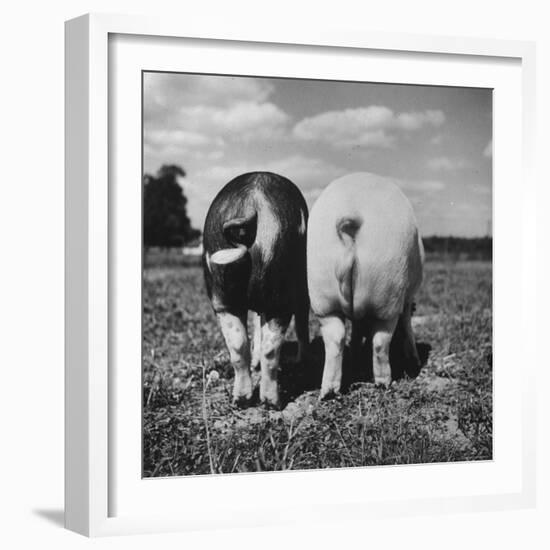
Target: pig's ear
{"points": [[228, 255], [241, 231]]}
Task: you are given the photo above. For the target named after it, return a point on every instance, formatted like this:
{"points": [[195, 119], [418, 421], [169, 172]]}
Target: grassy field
{"points": [[190, 427]]}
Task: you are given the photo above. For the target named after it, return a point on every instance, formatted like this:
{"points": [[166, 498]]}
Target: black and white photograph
{"points": [[317, 274]]}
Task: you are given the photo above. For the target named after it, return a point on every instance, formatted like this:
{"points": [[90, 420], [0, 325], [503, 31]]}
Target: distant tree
{"points": [[165, 220]]}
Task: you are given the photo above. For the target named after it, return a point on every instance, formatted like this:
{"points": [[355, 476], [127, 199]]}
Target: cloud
{"points": [[180, 146], [445, 164], [186, 112], [488, 151], [415, 121], [163, 138], [373, 126], [310, 174], [379, 138], [428, 186], [242, 121], [421, 186], [306, 172], [162, 92], [195, 119]]}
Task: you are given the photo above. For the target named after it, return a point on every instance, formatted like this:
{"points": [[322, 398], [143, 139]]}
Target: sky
{"points": [[434, 142]]}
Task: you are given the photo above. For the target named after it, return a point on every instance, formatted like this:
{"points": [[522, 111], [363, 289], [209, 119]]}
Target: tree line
{"points": [[165, 220], [475, 248]]}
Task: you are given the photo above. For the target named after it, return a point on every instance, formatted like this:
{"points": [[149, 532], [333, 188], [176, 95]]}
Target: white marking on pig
{"points": [[268, 229], [257, 340], [273, 335], [382, 335], [302, 228], [236, 339], [228, 255]]}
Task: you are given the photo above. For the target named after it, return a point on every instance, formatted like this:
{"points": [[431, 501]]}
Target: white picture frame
{"points": [[97, 409]]}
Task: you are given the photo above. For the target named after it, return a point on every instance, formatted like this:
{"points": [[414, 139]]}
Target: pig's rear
{"points": [[364, 252]]}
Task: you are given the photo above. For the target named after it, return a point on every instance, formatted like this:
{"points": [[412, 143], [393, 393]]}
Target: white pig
{"points": [[364, 263]]}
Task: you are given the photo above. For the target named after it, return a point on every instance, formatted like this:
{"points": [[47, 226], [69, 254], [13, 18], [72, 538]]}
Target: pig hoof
{"points": [[241, 402], [269, 394], [331, 393], [413, 370], [271, 405]]}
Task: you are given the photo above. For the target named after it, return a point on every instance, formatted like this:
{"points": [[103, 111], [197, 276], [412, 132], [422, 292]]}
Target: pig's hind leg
{"points": [[382, 332], [273, 335], [256, 340], [236, 338], [413, 363], [301, 322], [333, 331]]}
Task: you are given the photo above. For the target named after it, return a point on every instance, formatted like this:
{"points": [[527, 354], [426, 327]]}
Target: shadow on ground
{"points": [[295, 379], [57, 517]]}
